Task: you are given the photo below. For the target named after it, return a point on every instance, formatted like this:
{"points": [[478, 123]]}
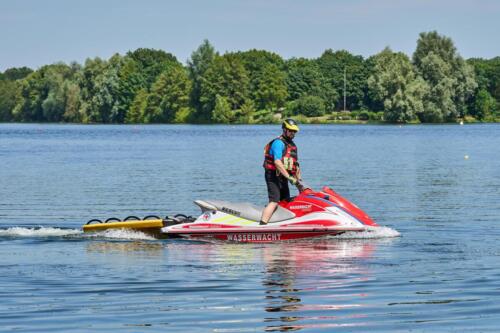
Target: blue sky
{"points": [[34, 32]]}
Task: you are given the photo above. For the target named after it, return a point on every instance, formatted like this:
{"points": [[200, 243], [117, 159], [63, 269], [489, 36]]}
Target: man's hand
{"points": [[293, 180], [300, 186]]}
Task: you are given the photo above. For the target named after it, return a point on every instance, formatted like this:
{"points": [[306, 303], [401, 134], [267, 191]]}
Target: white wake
{"points": [[38, 232], [42, 232], [120, 234], [371, 233]]}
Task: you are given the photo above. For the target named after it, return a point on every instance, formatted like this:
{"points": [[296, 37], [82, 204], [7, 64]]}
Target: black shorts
{"points": [[277, 186]]}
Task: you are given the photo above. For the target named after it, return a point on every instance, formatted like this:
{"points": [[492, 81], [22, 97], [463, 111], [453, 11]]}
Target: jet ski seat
{"points": [[243, 210]]}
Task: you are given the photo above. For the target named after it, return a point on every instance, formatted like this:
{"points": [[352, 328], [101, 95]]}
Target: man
{"points": [[281, 165]]}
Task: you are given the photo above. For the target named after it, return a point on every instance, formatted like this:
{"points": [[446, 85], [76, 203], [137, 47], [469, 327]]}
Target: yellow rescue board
{"points": [[138, 225]]}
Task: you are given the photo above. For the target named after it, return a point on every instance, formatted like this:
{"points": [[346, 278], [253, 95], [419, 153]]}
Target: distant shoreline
{"points": [[354, 122], [435, 85]]}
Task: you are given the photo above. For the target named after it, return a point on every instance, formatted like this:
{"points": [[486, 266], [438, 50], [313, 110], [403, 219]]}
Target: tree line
{"points": [[151, 86]]}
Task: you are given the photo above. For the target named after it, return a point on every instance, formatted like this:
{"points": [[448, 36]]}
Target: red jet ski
{"points": [[309, 214]]}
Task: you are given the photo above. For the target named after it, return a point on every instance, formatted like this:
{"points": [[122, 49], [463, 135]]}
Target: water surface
{"points": [[438, 186]]}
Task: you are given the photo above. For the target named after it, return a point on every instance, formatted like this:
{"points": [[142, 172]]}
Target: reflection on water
{"points": [[305, 284], [294, 271], [148, 248]]}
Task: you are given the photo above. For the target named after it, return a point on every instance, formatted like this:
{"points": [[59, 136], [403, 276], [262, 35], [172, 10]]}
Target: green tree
{"points": [[130, 81], [102, 90], [16, 73], [56, 80], [31, 94], [487, 76], [72, 111], [485, 105], [222, 113], [256, 62], [90, 86], [333, 64], [54, 105], [451, 80], [200, 61], [7, 99], [226, 77], [372, 101], [396, 85], [304, 77], [41, 93], [271, 90], [246, 112], [169, 95], [103, 101], [136, 112], [151, 63]]}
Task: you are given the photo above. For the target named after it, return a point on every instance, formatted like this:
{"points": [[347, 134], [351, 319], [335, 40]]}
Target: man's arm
{"points": [[281, 168]]}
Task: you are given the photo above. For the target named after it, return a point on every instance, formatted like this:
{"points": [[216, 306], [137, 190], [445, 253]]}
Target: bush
{"points": [[264, 117], [301, 119], [378, 116], [310, 106], [289, 108], [364, 115], [344, 115], [267, 119], [470, 119], [245, 115]]}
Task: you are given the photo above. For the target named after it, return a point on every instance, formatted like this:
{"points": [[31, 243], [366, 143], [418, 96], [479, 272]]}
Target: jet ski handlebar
{"points": [[302, 186]]}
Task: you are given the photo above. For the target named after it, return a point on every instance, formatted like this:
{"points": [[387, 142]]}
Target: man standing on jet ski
{"points": [[281, 165]]}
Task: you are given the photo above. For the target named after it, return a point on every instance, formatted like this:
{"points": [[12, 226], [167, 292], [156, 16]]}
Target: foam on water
{"points": [[62, 232], [38, 232], [120, 234], [370, 233]]}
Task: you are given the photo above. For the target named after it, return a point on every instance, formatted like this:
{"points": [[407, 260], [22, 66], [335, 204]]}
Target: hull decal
{"points": [[263, 237]]}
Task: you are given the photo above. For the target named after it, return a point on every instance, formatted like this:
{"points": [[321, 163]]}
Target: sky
{"points": [[35, 33]]}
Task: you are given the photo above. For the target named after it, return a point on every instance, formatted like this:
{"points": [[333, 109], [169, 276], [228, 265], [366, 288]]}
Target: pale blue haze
{"points": [[35, 33]]}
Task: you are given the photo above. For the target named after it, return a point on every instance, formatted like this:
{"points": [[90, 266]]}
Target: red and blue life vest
{"points": [[289, 158]]}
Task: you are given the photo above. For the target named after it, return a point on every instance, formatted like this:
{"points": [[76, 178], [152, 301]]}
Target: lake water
{"points": [[438, 187]]}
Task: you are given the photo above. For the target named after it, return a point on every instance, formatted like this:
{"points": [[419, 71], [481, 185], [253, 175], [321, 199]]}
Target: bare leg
{"points": [[268, 211]]}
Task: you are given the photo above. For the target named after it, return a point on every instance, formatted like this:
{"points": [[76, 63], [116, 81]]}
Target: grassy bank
{"points": [[347, 117]]}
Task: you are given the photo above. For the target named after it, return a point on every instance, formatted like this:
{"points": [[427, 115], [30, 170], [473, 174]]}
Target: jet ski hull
{"points": [[218, 225], [259, 235]]}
